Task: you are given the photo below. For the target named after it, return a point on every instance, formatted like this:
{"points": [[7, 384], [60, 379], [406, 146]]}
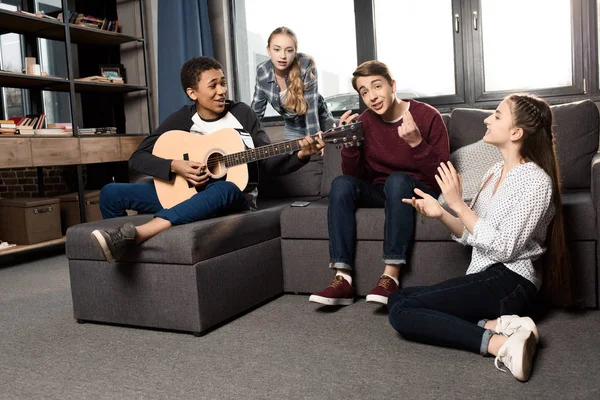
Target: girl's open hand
{"points": [[451, 185], [426, 205]]}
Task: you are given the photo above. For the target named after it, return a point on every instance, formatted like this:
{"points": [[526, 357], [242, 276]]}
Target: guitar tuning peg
{"points": [[357, 144], [334, 140]]}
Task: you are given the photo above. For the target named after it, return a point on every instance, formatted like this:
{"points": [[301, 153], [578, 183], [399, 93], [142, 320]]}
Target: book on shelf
{"points": [[89, 21], [25, 130], [65, 126], [101, 79], [98, 131], [35, 121]]}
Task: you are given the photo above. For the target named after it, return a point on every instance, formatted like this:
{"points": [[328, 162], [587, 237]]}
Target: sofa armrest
{"points": [[595, 183]]}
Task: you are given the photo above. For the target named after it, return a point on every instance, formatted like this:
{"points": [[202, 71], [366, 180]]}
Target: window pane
{"points": [[526, 44], [416, 41], [328, 36], [11, 59]]}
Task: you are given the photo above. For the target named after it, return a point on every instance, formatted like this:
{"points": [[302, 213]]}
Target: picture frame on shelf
{"points": [[111, 70]]}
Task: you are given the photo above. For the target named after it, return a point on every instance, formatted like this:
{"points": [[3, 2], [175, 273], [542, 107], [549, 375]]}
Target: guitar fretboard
{"points": [[260, 153]]}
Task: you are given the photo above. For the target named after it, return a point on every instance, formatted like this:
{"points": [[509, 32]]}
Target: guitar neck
{"points": [[261, 153]]}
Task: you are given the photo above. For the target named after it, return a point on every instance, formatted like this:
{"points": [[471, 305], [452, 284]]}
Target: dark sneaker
{"points": [[115, 242], [338, 293], [382, 291]]}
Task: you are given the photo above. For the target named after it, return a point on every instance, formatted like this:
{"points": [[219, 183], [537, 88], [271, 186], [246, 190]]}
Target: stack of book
{"points": [[26, 125], [90, 21], [7, 126], [98, 131]]}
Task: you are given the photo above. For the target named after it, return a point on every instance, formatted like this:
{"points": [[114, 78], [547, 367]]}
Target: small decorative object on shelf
{"points": [[114, 72]]}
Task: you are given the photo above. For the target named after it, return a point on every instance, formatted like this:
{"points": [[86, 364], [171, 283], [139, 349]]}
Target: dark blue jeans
{"points": [[452, 313], [349, 193], [218, 198]]}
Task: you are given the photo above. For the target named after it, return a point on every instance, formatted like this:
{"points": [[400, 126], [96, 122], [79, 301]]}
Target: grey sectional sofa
{"points": [[194, 277]]}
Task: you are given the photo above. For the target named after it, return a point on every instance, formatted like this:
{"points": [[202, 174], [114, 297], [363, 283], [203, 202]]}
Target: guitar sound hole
{"points": [[216, 165]]}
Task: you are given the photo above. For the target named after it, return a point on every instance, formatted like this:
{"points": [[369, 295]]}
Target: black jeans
{"points": [[448, 313], [349, 192]]}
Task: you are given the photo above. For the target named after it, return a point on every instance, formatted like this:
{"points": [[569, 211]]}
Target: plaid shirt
{"points": [[267, 89]]}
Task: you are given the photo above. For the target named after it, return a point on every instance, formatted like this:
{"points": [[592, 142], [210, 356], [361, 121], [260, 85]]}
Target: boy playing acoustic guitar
{"points": [[203, 81]]}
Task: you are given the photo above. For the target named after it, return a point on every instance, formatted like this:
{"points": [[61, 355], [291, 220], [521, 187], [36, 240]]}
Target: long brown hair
{"points": [[294, 99], [534, 116]]}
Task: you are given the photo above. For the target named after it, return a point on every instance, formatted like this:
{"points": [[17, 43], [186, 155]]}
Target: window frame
{"points": [[468, 60]]}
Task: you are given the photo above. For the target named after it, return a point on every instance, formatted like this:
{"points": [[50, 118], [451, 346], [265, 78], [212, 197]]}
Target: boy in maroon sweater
{"points": [[404, 143]]}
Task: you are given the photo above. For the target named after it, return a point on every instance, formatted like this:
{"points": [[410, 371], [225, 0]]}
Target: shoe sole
{"points": [[533, 328], [103, 245], [526, 353], [329, 301], [375, 298]]}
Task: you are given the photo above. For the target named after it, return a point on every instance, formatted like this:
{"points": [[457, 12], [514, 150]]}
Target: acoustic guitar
{"points": [[226, 157]]}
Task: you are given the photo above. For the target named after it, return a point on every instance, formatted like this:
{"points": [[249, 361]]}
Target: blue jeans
{"points": [[452, 313], [218, 198], [348, 193]]}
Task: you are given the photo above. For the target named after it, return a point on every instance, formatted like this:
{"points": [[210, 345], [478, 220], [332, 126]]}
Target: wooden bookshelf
{"points": [[41, 151], [16, 80], [53, 29], [91, 104], [26, 24]]}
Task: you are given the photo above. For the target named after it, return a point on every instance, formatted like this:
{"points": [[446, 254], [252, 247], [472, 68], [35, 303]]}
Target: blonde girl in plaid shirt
{"points": [[288, 81]]}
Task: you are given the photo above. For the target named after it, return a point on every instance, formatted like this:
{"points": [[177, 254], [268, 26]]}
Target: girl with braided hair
{"points": [[514, 218], [288, 81]]}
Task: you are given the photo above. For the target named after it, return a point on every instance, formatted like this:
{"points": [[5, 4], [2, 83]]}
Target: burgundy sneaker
{"points": [[338, 293], [382, 291]]}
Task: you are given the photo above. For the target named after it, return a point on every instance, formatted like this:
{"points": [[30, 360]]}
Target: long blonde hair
{"points": [[294, 99]]}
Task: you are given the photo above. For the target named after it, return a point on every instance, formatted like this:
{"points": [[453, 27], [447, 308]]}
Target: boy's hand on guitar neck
{"points": [[310, 146], [193, 172]]}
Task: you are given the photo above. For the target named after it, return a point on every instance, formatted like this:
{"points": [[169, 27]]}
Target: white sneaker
{"points": [[507, 325], [517, 354]]}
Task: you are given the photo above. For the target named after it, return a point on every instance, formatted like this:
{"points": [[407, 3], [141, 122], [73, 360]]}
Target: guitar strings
{"points": [[266, 149]]}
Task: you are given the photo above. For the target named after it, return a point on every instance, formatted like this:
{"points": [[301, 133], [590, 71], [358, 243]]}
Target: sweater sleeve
{"points": [[353, 157], [143, 161], [431, 152]]}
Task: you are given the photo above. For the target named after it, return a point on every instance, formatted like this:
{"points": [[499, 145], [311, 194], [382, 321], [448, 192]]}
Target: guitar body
{"points": [[226, 157], [207, 149]]}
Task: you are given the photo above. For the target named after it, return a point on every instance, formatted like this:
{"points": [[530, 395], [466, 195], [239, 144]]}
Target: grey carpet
{"points": [[286, 349]]}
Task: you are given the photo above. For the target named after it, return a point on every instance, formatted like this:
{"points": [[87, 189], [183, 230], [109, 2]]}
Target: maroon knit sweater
{"points": [[383, 152]]}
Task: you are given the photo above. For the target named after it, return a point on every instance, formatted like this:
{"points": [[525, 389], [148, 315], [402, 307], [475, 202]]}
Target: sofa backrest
{"points": [[577, 135], [305, 183]]}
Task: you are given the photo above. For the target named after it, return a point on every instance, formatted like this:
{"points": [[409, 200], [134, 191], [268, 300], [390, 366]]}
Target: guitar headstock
{"points": [[348, 135]]}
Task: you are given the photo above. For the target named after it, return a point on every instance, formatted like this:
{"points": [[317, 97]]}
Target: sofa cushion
{"points": [[186, 244], [311, 222], [472, 163], [466, 126], [306, 182], [576, 141]]}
